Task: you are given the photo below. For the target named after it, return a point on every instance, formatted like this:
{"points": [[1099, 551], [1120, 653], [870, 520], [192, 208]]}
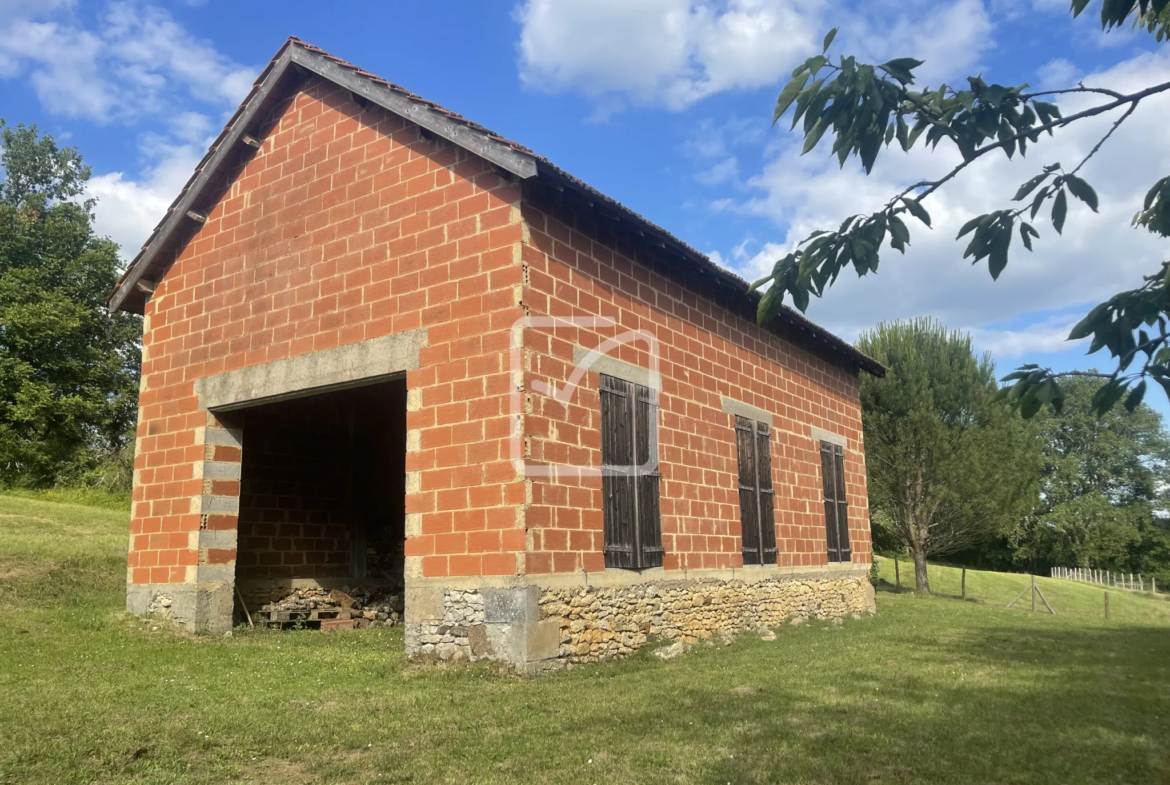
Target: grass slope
{"points": [[1082, 602], [932, 690]]}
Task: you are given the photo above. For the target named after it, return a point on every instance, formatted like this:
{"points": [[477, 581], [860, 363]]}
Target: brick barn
{"points": [[386, 346]]}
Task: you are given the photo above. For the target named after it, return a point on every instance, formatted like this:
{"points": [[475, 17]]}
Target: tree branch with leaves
{"points": [[869, 107]]}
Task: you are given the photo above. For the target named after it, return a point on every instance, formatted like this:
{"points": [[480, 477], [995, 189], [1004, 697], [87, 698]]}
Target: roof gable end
{"points": [[297, 59]]}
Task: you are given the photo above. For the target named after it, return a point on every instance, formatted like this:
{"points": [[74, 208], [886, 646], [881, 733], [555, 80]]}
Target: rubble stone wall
{"points": [[450, 638], [603, 623]]}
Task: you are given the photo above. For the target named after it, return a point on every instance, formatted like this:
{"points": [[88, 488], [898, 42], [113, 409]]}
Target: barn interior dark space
{"points": [[322, 494]]}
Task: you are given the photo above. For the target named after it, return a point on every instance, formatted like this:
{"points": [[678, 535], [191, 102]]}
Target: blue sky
{"points": [[662, 104]]}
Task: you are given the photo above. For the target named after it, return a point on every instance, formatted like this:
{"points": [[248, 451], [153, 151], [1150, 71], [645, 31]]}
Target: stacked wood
{"points": [[366, 606]]}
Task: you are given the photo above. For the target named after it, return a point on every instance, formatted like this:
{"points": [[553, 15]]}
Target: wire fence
{"points": [[1116, 580]]}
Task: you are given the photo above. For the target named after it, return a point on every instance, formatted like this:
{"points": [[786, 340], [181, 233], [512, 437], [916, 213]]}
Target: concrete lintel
{"points": [[342, 366], [612, 366], [821, 435], [732, 406]]}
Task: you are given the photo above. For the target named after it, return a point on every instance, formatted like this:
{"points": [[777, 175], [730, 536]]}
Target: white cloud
{"points": [[674, 53], [712, 146], [950, 38], [128, 209], [665, 52], [1097, 255], [724, 171], [1047, 336], [65, 77], [137, 66], [1056, 74], [135, 63]]}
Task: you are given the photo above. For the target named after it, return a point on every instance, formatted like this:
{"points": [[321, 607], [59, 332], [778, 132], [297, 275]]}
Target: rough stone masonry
{"points": [[598, 623]]}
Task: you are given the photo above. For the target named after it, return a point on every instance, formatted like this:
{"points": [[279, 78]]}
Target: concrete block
{"points": [[544, 640], [217, 539], [423, 604], [209, 505], [510, 606]]}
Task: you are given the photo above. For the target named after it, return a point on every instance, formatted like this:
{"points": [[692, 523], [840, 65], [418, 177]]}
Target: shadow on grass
{"points": [[1007, 705], [80, 580], [999, 704]]}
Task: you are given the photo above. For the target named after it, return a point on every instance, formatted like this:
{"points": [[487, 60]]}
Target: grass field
{"points": [[932, 690]]}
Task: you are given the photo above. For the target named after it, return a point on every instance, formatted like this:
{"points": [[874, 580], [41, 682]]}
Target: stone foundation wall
{"points": [[450, 638], [602, 623]]}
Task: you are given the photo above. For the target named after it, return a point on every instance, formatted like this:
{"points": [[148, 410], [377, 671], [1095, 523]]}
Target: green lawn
{"points": [[932, 690]]}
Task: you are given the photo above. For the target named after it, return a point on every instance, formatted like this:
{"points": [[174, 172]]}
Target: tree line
{"points": [[954, 470]]}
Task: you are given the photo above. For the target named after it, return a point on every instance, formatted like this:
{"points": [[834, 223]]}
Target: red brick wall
{"points": [[347, 225], [706, 352], [295, 508], [350, 224]]}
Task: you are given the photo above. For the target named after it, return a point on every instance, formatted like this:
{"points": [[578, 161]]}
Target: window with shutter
{"points": [[836, 506], [756, 500], [629, 474]]}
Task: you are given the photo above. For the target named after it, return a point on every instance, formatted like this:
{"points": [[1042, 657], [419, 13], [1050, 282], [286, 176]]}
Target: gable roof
{"points": [[297, 58]]}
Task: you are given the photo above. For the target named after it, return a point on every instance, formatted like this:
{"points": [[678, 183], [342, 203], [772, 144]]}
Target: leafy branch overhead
{"points": [[867, 108]]}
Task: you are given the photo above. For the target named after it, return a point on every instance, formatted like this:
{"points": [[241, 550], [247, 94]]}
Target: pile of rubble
{"points": [[367, 607]]}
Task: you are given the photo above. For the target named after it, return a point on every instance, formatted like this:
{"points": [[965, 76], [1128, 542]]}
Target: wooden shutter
{"points": [[749, 506], [617, 480], [629, 475], [836, 505], [767, 498], [842, 504], [757, 512], [647, 477]]}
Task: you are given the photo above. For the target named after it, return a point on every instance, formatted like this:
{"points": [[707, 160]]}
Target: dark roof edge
{"points": [[204, 172], [506, 154]]}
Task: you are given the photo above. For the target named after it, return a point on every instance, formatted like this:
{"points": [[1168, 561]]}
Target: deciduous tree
{"points": [[949, 465], [68, 367], [866, 108], [1104, 479]]}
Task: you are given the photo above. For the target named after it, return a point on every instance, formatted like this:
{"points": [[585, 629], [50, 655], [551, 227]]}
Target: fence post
{"points": [[1106, 605], [1141, 582], [1033, 593], [897, 575], [963, 583]]}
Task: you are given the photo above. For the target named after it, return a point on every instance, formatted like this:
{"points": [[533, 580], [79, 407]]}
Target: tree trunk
{"points": [[921, 578]]}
